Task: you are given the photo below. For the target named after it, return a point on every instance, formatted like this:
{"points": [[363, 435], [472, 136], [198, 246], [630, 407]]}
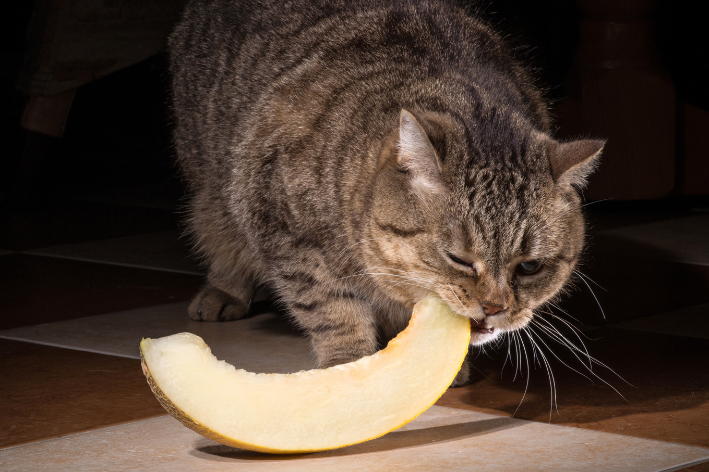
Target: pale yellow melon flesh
{"points": [[310, 410]]}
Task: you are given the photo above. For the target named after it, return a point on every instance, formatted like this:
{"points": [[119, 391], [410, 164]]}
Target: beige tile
{"points": [[692, 321], [442, 439], [681, 239], [263, 343], [164, 250]]}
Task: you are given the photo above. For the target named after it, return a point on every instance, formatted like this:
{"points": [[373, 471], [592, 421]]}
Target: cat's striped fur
{"points": [[356, 155]]}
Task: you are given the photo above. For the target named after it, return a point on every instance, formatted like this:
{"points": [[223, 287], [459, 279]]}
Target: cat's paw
{"points": [[212, 304]]}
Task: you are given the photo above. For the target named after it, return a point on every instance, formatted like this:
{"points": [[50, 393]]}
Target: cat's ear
{"points": [[417, 156], [572, 162]]}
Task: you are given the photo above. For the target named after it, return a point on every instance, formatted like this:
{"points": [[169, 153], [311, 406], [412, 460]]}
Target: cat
{"points": [[355, 156]]}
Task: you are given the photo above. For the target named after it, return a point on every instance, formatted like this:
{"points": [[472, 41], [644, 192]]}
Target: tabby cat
{"points": [[355, 156]]}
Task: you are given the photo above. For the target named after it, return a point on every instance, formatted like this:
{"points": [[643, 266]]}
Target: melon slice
{"points": [[310, 410]]}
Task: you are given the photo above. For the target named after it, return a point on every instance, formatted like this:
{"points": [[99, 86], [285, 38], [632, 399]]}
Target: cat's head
{"points": [[490, 222]]}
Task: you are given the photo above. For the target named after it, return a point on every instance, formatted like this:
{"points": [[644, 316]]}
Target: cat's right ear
{"points": [[417, 156]]}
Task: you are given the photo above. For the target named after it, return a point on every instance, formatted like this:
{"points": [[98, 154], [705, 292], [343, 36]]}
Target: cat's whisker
{"points": [[496, 343], [414, 283], [567, 323], [528, 372], [576, 329], [507, 357], [556, 336], [594, 296], [482, 373], [558, 333], [573, 348], [408, 276], [519, 354], [551, 334], [409, 284], [465, 310], [558, 308], [363, 274], [552, 381], [516, 362], [581, 274], [563, 311], [597, 201]]}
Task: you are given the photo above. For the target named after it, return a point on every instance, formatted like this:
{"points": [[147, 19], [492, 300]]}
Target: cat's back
{"points": [[261, 39], [327, 78]]}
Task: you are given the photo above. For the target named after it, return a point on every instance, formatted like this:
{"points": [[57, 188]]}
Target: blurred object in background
{"points": [[619, 91], [71, 43], [694, 146], [609, 67]]}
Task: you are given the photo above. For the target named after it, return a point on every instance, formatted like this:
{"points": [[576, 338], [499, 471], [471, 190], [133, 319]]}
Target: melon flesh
{"points": [[310, 410]]}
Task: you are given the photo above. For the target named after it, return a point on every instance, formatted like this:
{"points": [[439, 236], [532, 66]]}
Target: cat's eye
{"points": [[529, 267], [462, 262]]}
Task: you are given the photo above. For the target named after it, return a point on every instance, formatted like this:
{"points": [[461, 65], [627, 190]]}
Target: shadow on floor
{"points": [[388, 442]]}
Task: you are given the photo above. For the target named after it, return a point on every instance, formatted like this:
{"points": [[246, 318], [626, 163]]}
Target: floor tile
{"points": [[48, 392], [36, 289], [668, 399], [628, 287], [440, 439], [165, 250], [262, 343], [681, 239], [641, 264], [692, 322], [66, 223]]}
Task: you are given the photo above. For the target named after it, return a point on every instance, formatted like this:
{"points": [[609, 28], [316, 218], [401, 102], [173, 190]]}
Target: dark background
{"points": [[117, 141]]}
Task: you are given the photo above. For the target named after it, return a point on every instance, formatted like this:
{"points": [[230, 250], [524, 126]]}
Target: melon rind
{"points": [[311, 410]]}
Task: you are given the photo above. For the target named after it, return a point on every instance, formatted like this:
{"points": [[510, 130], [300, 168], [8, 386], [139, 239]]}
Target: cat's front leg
{"points": [[463, 377], [341, 328], [225, 297]]}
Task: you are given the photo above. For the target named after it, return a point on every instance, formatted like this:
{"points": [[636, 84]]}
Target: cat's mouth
{"points": [[481, 327]]}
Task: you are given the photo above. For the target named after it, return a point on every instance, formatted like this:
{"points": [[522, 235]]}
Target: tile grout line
{"points": [[72, 348], [120, 264], [705, 449], [88, 431], [688, 464]]}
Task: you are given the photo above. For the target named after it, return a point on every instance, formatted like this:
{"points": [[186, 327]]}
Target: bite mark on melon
{"points": [[312, 410]]}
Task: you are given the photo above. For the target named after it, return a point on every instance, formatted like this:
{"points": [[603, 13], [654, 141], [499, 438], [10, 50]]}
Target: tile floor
{"points": [[80, 290]]}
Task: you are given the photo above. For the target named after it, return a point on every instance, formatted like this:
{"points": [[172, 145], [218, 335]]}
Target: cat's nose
{"points": [[490, 309]]}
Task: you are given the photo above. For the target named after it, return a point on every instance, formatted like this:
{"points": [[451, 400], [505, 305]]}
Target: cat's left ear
{"points": [[417, 155], [572, 162]]}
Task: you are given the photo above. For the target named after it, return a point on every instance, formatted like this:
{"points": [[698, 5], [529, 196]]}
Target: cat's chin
{"points": [[480, 337]]}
